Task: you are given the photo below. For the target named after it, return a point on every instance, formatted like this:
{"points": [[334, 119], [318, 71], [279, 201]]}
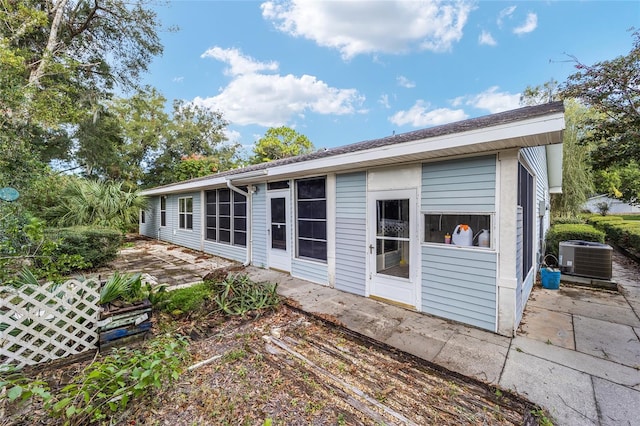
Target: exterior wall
{"points": [[190, 238], [316, 272], [152, 219], [465, 185], [351, 232], [536, 160], [258, 226], [227, 251], [458, 283]]}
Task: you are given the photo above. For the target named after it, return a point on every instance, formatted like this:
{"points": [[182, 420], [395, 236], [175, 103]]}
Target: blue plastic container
{"points": [[550, 278]]}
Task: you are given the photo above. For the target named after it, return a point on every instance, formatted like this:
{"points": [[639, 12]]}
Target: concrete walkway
{"points": [[577, 352]]}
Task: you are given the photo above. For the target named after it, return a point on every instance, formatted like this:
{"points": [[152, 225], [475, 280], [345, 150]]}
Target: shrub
{"points": [[625, 233], [561, 220], [238, 295], [96, 245], [564, 232]]}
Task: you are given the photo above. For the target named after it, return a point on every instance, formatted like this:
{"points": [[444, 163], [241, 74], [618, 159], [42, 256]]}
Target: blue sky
{"points": [[347, 71]]}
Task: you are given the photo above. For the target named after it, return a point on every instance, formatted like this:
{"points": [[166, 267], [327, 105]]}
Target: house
{"points": [[613, 205], [381, 218]]}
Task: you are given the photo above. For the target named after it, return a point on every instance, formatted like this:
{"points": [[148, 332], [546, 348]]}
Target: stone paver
{"points": [[608, 340]]}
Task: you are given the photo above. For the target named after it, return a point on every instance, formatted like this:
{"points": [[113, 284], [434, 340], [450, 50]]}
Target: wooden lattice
{"points": [[51, 321]]}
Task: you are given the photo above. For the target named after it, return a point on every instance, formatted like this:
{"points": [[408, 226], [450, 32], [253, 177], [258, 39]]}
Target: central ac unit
{"points": [[585, 258]]}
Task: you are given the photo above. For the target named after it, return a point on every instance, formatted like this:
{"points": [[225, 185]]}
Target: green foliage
{"points": [[577, 181], [23, 243], [186, 300], [194, 166], [280, 142], [107, 385], [15, 387], [96, 245], [564, 232], [191, 131], [622, 182], [96, 203], [621, 231], [121, 287], [611, 88], [238, 295], [562, 220]]}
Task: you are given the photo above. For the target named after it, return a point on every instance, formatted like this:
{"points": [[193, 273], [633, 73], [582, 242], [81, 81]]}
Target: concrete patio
{"points": [[577, 352]]}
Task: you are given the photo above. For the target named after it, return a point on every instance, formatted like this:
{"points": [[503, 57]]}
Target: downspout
{"points": [[247, 194]]}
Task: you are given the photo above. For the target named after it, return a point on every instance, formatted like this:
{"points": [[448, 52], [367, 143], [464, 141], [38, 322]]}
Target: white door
{"points": [[279, 230], [393, 243]]}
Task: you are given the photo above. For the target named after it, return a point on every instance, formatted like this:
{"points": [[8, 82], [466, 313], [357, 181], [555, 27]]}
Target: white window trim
{"points": [[180, 202]]}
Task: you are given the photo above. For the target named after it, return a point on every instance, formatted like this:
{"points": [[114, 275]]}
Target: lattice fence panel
{"points": [[42, 323]]}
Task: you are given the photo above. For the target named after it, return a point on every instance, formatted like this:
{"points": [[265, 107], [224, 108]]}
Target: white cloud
{"points": [[232, 136], [269, 100], [529, 25], [369, 27], [384, 100], [405, 82], [505, 13], [486, 39], [178, 79], [491, 100], [419, 115], [239, 64]]}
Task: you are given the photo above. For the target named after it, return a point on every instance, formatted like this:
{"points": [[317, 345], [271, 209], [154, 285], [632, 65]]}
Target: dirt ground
{"points": [[291, 369]]}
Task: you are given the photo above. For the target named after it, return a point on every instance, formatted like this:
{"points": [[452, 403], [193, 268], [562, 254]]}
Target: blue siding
{"points": [[460, 285], [226, 250], [152, 218], [258, 227], [464, 185], [351, 232], [190, 238], [311, 271]]}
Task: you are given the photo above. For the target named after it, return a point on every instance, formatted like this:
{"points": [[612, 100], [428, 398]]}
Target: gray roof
{"points": [[446, 129]]}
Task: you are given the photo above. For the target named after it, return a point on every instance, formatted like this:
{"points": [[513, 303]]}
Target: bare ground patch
{"points": [[292, 369]]}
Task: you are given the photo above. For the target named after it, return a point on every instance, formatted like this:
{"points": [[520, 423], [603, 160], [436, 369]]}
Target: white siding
{"points": [[351, 233]]}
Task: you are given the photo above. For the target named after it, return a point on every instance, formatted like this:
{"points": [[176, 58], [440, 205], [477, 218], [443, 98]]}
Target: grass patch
{"points": [[188, 299]]}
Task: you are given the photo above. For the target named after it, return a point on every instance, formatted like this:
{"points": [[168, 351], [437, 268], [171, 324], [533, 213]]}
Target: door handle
{"points": [[371, 248]]}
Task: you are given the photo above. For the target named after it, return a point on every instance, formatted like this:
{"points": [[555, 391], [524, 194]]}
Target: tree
{"points": [[61, 57], [192, 132], [621, 182], [577, 183], [612, 88], [280, 142]]}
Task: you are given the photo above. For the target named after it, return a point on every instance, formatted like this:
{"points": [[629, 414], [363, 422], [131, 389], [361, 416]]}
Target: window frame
{"points": [[490, 217], [233, 205], [142, 217], [184, 214], [163, 211], [310, 220]]}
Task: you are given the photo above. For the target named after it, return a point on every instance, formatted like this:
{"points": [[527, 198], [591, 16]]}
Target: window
{"points": [[163, 211], [142, 216], [211, 210], [459, 229], [185, 213], [525, 200], [311, 218], [226, 215]]}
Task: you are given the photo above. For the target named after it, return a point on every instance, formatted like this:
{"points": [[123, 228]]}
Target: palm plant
{"points": [[97, 203]]}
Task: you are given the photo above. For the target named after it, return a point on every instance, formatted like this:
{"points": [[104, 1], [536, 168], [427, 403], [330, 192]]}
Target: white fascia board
{"points": [[516, 133]]}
